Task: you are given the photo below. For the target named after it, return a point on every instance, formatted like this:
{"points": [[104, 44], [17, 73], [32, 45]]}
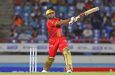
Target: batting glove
{"points": [[72, 20]]}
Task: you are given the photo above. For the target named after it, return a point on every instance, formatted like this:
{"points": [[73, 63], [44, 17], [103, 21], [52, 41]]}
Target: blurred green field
{"points": [[62, 73]]}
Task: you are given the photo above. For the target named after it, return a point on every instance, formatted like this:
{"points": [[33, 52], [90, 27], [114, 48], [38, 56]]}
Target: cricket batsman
{"points": [[57, 40]]}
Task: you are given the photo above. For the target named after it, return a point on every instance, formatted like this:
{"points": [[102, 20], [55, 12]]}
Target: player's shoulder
{"points": [[57, 18], [53, 19], [49, 21]]}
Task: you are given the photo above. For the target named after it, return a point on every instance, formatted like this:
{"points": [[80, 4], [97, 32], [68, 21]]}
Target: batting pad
{"points": [[68, 58]]}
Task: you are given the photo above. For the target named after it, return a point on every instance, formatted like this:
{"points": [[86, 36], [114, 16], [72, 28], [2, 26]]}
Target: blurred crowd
{"points": [[29, 21]]}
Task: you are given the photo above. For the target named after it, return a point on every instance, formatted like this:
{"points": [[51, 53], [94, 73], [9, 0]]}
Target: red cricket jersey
{"points": [[54, 31]]}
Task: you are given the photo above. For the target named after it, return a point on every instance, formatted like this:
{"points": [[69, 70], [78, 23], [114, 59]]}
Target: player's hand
{"points": [[79, 17], [72, 20]]}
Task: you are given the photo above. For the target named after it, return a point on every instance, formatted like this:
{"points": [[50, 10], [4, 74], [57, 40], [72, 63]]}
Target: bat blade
{"points": [[90, 11]]}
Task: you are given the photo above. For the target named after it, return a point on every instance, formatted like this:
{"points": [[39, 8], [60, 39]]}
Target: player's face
{"points": [[51, 15]]}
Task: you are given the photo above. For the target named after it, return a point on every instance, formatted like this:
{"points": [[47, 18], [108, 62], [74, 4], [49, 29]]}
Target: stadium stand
{"points": [[95, 28]]}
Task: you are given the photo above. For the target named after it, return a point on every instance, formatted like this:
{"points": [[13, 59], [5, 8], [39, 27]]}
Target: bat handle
{"points": [[82, 15]]}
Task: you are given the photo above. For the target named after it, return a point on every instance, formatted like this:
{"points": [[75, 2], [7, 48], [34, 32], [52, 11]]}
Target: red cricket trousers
{"points": [[55, 44]]}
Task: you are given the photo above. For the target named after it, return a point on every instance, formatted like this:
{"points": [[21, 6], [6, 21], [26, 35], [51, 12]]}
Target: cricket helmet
{"points": [[49, 11]]}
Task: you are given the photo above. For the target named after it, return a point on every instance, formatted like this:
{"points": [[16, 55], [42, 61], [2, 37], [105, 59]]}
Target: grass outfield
{"points": [[62, 73]]}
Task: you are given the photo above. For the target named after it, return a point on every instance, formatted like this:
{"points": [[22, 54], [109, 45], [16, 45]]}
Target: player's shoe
{"points": [[69, 71], [44, 71]]}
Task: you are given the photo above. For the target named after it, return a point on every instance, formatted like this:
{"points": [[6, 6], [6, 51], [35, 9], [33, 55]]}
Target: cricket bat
{"points": [[90, 11]]}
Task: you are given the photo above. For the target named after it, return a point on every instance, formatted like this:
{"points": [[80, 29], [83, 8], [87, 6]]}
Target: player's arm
{"points": [[63, 22], [70, 20]]}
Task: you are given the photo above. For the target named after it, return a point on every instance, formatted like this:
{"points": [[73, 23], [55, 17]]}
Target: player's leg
{"points": [[68, 59], [64, 48], [48, 64], [53, 46]]}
